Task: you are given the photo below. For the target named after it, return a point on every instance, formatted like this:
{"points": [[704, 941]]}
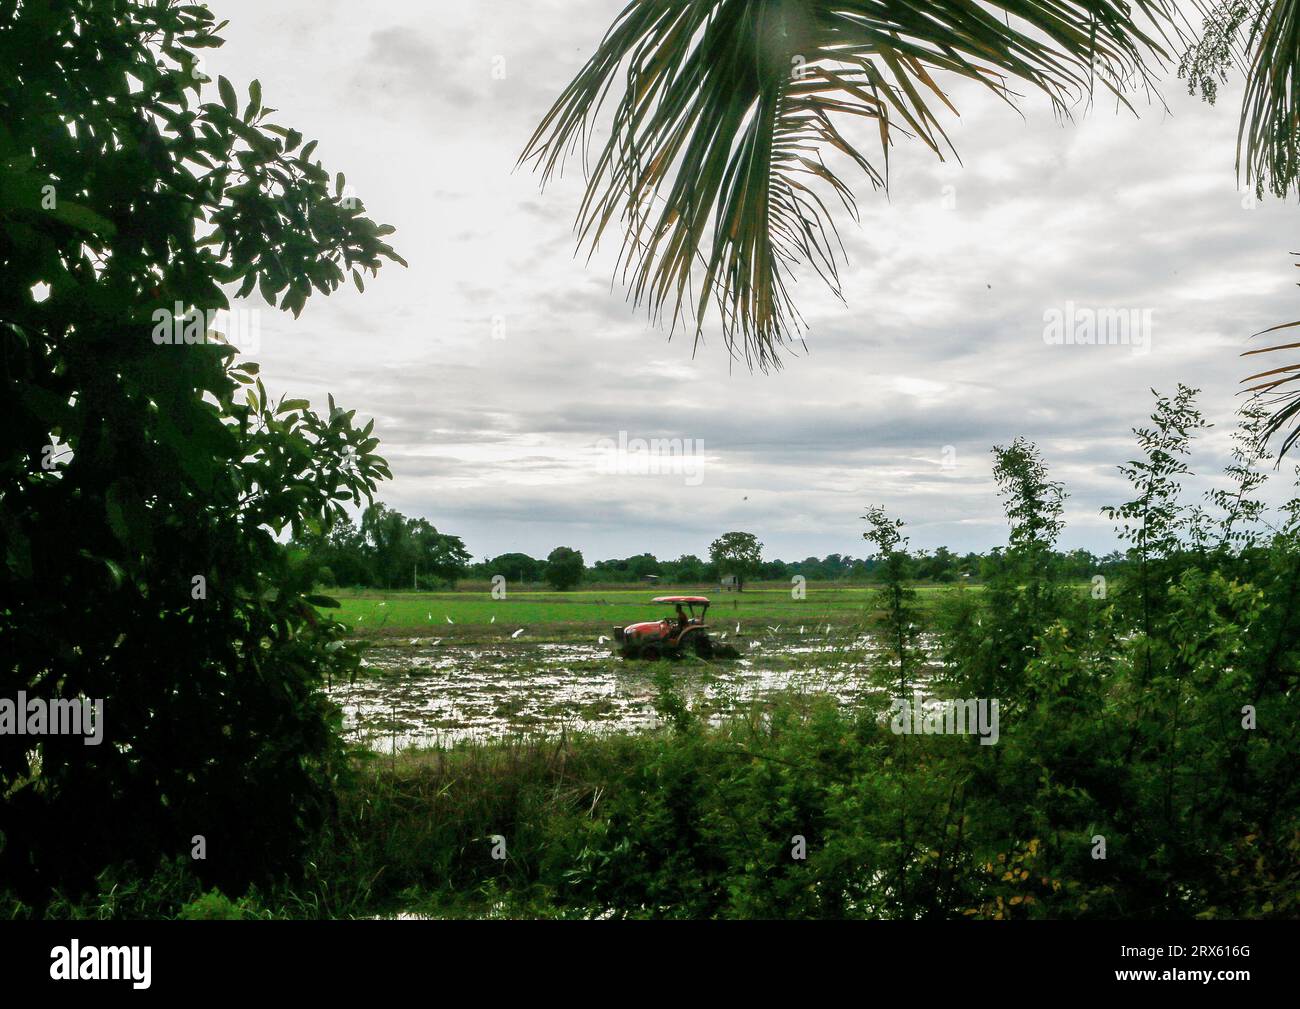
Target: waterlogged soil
{"points": [[431, 691]]}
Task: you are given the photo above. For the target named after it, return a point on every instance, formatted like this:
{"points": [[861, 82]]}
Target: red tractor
{"points": [[672, 636]]}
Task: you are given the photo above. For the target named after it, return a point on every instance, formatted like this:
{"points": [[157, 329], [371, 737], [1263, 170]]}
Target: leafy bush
{"points": [[215, 906], [144, 481]]}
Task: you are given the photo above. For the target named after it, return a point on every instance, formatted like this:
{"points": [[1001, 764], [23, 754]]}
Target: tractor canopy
{"points": [[698, 600], [690, 602]]}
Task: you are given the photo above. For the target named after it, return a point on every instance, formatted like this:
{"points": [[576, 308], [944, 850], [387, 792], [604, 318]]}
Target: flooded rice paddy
{"points": [[422, 692]]}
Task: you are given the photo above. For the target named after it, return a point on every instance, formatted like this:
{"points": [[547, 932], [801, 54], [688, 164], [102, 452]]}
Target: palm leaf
{"points": [[734, 114], [1270, 111], [1285, 401]]}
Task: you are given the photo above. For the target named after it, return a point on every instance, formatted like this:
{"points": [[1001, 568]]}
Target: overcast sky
{"points": [[498, 364]]}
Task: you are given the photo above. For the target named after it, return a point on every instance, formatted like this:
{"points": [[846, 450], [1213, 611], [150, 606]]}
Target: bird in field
{"points": [[517, 633]]}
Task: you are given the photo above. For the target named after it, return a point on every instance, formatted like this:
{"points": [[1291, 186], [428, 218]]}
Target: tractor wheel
{"points": [[651, 652], [703, 646]]}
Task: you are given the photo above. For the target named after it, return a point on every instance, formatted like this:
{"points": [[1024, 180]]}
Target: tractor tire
{"points": [[651, 652], [703, 646]]}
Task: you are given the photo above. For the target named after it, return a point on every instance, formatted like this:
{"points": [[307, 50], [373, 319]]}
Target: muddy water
{"points": [[431, 692]]}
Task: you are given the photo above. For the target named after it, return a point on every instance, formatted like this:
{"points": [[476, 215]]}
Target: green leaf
{"points": [[83, 218], [127, 517], [228, 97]]}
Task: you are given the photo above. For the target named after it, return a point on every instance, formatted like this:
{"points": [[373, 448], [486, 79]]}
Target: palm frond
{"points": [[716, 167], [1278, 393], [1270, 112]]}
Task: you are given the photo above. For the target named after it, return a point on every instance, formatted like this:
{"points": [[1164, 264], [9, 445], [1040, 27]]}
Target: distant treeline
{"points": [[941, 565], [388, 550]]}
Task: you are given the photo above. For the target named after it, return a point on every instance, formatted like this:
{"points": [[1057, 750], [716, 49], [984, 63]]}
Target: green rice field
{"points": [[561, 614]]}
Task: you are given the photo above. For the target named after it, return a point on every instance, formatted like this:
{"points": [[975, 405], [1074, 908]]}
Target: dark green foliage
{"points": [[402, 549], [899, 624], [564, 567], [388, 551], [1206, 61], [1258, 37], [131, 187], [515, 567]]}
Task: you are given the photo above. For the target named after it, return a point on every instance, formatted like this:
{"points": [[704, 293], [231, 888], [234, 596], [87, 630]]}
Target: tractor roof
{"points": [[680, 599]]}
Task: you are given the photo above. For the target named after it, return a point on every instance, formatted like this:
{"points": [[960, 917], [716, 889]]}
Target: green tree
{"points": [[391, 545], [991, 637], [144, 483], [738, 554], [900, 619], [643, 564], [344, 554], [440, 558], [516, 567], [564, 568], [410, 552], [687, 569], [1153, 519]]}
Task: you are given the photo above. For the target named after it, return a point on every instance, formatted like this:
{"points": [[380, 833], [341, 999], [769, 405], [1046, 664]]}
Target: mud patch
{"points": [[436, 692]]}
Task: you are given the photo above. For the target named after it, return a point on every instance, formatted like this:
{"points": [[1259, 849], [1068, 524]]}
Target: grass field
{"points": [[559, 614]]}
